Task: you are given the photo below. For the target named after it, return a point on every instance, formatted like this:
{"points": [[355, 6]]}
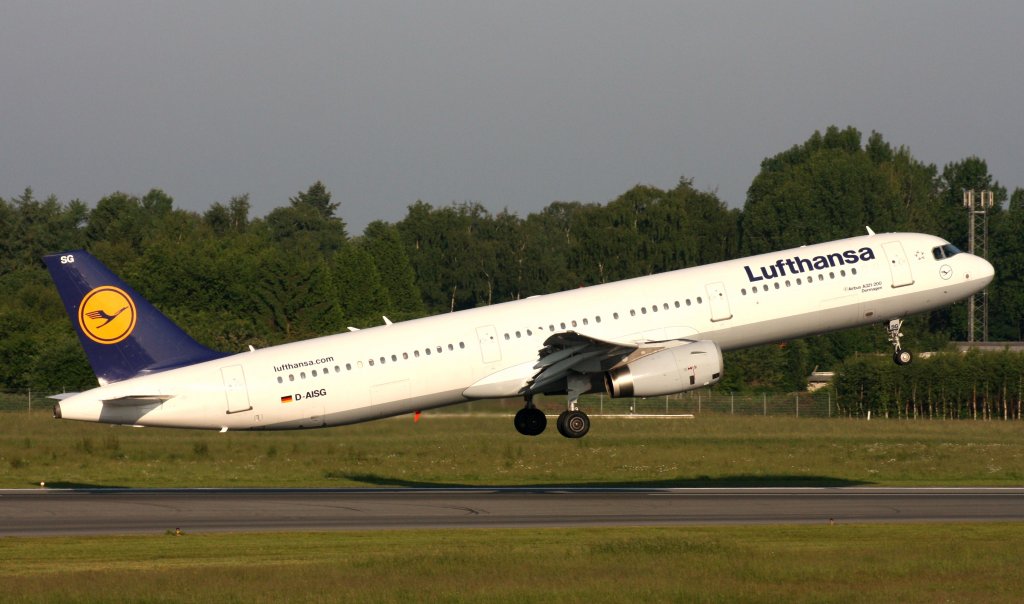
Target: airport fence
{"points": [[24, 400], [694, 403], [802, 404]]}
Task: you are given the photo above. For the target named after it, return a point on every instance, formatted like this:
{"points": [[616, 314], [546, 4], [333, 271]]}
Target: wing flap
{"points": [[572, 352]]}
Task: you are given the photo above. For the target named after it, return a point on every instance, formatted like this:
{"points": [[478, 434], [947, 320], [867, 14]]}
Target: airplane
{"points": [[642, 337]]}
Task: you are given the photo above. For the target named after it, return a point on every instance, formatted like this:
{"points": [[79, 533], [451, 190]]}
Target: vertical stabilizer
{"points": [[123, 335]]}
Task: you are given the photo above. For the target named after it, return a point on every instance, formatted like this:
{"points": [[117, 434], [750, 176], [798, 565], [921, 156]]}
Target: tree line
{"points": [[950, 385], [234, 280]]}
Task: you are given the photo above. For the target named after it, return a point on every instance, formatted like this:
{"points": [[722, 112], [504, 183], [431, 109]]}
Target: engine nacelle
{"points": [[678, 369]]}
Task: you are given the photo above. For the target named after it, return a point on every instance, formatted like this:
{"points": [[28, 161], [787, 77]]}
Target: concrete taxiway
{"points": [[127, 511]]}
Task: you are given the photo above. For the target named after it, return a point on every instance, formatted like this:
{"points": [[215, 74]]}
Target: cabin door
{"points": [[898, 265], [718, 302], [490, 351], [234, 389]]}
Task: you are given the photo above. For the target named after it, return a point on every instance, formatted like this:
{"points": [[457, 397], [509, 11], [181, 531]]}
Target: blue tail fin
{"points": [[122, 334]]}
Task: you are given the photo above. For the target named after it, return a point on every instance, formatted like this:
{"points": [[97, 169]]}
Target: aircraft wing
{"points": [[570, 351]]}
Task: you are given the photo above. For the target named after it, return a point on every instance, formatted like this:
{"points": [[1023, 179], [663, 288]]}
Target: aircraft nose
{"points": [[983, 272]]}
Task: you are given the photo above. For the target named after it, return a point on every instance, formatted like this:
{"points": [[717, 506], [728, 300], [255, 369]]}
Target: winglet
{"points": [[123, 335]]}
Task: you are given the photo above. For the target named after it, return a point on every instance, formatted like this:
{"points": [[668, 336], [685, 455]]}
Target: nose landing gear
{"points": [[900, 356]]}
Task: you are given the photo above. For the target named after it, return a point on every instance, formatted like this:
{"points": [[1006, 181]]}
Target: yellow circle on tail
{"points": [[107, 315]]}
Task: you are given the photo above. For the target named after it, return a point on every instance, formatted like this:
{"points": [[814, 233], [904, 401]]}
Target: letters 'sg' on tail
{"points": [[123, 335]]}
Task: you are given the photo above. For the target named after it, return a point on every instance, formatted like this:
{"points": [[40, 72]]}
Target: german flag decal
{"points": [[286, 399]]}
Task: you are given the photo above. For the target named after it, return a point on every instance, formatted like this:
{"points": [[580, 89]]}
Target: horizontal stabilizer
{"points": [[62, 395], [137, 400]]}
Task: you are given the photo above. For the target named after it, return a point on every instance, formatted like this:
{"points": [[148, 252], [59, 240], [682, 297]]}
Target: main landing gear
{"points": [[529, 420], [572, 423], [900, 356]]}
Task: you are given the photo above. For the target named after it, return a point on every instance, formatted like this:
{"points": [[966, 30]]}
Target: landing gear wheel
{"points": [[530, 421], [573, 424], [902, 357]]}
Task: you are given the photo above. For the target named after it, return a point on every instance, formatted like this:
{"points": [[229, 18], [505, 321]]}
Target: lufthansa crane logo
{"points": [[107, 315]]}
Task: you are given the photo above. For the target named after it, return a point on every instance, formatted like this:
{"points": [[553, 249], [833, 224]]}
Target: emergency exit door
{"points": [[718, 302]]}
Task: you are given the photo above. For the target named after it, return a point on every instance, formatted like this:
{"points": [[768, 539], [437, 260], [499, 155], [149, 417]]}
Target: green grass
{"points": [[855, 563], [711, 450]]}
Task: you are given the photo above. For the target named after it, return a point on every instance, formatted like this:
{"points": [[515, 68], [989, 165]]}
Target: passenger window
{"points": [[280, 380]]}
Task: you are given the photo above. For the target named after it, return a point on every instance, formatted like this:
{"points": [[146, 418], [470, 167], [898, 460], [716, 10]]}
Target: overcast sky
{"points": [[512, 104]]}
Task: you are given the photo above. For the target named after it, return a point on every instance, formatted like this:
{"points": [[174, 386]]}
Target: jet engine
{"points": [[667, 371]]}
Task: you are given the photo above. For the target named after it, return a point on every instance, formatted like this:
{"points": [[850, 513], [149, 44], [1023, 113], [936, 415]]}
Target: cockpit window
{"points": [[946, 251]]}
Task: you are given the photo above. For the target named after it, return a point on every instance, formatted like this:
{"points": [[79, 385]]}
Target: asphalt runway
{"points": [[139, 511]]}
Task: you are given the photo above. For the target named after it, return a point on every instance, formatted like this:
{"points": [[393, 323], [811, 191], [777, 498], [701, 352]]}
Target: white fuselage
{"points": [[491, 351]]}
